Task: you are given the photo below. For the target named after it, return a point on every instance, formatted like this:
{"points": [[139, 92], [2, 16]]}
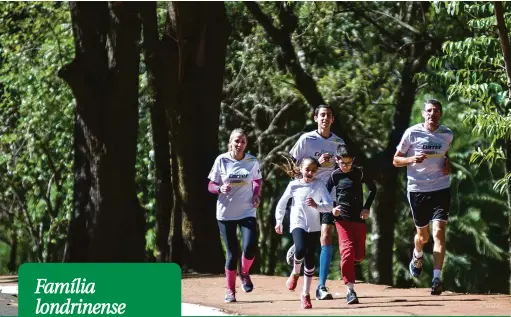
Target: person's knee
{"points": [[249, 251], [232, 260], [299, 252], [326, 235], [439, 235], [347, 250], [423, 237], [309, 264], [326, 240]]}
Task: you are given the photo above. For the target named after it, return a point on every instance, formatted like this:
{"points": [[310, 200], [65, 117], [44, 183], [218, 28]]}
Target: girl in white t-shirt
{"points": [[310, 198], [236, 179]]}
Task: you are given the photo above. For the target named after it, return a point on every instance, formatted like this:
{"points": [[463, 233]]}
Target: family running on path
{"points": [[326, 190]]}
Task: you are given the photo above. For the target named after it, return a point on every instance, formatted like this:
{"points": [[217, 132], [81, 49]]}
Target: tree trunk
{"points": [[201, 31], [508, 170], [104, 80], [504, 40], [385, 202], [506, 52], [160, 129], [13, 253], [275, 239], [78, 236]]}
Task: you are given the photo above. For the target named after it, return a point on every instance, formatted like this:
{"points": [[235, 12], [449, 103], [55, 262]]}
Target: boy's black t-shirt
{"points": [[349, 194]]}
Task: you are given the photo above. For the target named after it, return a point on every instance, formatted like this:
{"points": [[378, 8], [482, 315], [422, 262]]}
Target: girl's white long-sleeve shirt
{"points": [[303, 216]]}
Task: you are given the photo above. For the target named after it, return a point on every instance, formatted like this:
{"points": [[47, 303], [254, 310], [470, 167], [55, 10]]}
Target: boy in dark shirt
{"points": [[351, 228]]}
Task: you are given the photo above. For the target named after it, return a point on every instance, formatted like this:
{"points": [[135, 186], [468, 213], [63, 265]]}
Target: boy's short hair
{"points": [[343, 151], [316, 111]]}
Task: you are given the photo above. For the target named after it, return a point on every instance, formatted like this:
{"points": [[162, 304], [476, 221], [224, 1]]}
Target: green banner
{"points": [[78, 289]]}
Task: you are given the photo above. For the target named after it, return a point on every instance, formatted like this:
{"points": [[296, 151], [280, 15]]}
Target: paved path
{"points": [[8, 296], [270, 297]]}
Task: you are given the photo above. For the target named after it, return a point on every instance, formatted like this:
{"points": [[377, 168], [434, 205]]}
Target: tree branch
{"points": [[287, 142], [273, 124], [265, 22], [30, 225], [362, 14], [400, 22], [304, 82]]}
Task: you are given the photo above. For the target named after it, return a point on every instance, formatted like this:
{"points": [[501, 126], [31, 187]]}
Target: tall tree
{"points": [[197, 56], [281, 36], [413, 46], [107, 223], [506, 53], [411, 41], [158, 98]]}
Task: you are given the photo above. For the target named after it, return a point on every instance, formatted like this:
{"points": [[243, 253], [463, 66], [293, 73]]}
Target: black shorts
{"points": [[327, 218], [430, 206]]}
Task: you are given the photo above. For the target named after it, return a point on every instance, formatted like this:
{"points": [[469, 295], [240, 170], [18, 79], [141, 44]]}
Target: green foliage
{"points": [[37, 109], [473, 70], [474, 73], [357, 64], [356, 73], [145, 164]]}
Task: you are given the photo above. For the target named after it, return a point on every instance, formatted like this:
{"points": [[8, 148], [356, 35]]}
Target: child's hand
{"points": [[310, 202], [278, 229], [364, 214], [336, 211]]}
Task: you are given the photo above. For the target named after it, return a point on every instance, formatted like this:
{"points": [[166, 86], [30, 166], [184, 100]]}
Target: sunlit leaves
{"points": [[36, 109], [473, 70]]}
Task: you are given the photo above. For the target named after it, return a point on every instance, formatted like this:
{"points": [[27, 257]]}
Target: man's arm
{"points": [[400, 160], [446, 170]]}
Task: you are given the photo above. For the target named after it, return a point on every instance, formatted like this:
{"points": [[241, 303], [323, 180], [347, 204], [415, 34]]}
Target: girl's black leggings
{"points": [[305, 246]]}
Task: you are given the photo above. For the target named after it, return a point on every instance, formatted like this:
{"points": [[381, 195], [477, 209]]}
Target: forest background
{"points": [[111, 115]]}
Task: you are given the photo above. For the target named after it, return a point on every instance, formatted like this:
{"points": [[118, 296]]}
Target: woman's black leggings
{"points": [[248, 228], [305, 244]]}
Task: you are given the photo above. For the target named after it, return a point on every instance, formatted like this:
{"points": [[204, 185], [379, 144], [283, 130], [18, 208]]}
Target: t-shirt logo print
{"points": [[326, 163], [432, 146], [237, 179], [323, 151]]}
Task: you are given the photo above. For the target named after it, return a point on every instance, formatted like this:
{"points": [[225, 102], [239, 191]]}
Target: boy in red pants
{"points": [[351, 228]]}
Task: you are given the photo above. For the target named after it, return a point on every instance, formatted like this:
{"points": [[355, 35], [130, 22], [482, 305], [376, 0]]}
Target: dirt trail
{"points": [[270, 298]]}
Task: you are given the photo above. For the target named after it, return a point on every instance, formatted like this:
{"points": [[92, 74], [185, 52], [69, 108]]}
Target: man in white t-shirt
{"points": [[321, 144], [423, 150]]}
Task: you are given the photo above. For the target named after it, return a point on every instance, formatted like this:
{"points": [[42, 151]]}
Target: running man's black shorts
{"points": [[327, 218], [430, 206]]}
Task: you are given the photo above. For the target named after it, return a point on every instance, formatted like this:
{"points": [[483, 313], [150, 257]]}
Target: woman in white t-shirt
{"points": [[236, 179], [310, 198]]}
